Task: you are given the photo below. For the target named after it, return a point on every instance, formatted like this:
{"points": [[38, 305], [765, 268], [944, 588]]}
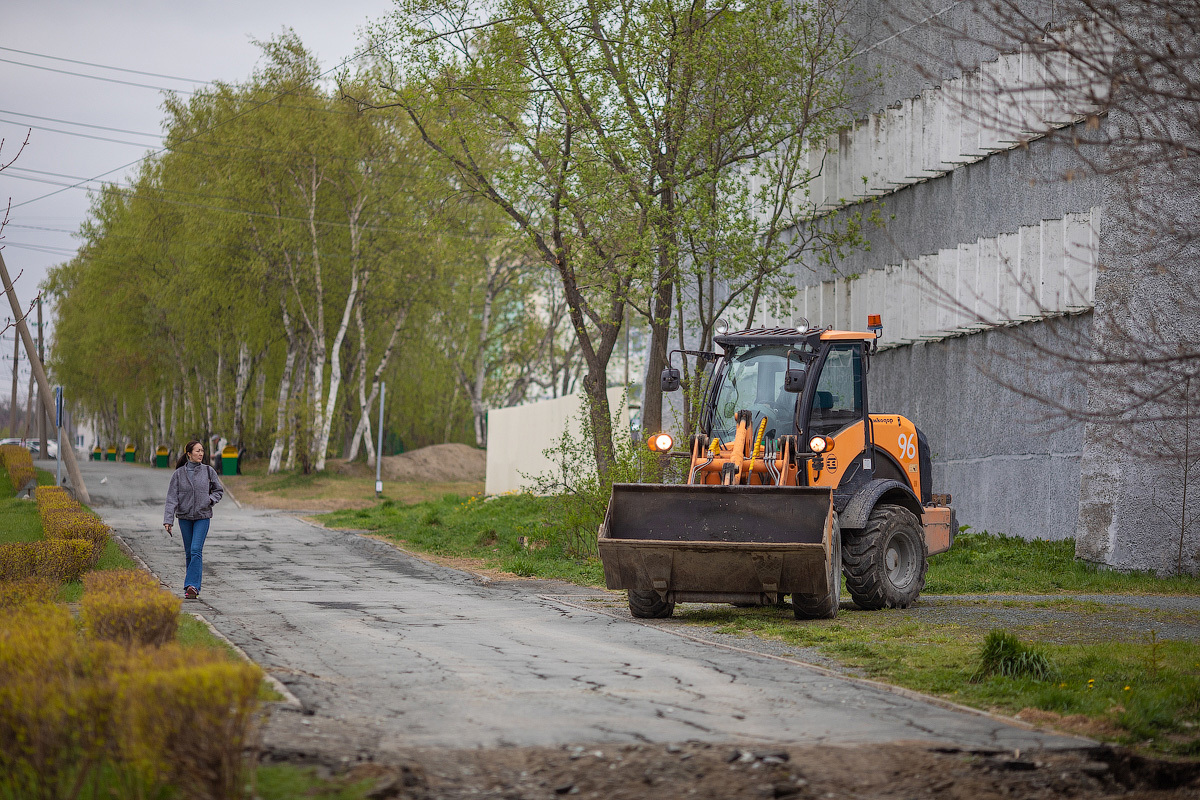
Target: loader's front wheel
{"points": [[824, 605], [648, 605], [886, 561]]}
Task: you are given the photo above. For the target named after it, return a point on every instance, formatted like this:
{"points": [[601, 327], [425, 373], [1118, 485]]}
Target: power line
{"points": [[79, 124], [103, 66], [76, 133], [211, 128], [95, 77]]}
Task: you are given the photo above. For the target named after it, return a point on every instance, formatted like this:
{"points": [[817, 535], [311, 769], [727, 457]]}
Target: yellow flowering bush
{"points": [[17, 593], [57, 560], [19, 464], [65, 519], [190, 725], [56, 698], [133, 613], [157, 718]]}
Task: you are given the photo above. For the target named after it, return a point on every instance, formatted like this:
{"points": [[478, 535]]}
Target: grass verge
{"points": [[489, 532], [285, 782], [330, 491], [1136, 690], [983, 563]]}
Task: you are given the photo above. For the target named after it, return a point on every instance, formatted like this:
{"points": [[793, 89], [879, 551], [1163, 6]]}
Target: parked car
{"points": [[51, 448]]}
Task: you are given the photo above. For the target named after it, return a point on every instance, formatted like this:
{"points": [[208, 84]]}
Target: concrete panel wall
{"points": [[1010, 467], [518, 435]]}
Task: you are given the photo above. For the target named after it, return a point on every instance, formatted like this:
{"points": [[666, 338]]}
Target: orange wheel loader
{"points": [[793, 482]]}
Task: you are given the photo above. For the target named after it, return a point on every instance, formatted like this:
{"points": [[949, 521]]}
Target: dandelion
{"points": [[1127, 688], [1091, 683], [1062, 685]]}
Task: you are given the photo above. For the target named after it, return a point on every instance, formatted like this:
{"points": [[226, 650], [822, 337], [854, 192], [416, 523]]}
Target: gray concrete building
{"points": [[988, 252]]}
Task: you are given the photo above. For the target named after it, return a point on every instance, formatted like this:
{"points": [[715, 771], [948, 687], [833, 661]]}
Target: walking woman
{"points": [[194, 490]]}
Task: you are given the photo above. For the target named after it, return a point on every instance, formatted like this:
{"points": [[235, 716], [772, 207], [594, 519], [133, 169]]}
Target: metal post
{"points": [[379, 450], [58, 426], [12, 416], [41, 412]]}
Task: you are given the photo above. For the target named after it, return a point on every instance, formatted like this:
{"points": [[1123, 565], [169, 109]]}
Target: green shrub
{"points": [[582, 494], [18, 593], [63, 560], [1004, 654], [129, 614]]}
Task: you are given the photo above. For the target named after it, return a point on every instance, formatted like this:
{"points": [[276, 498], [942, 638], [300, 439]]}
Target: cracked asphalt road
{"points": [[386, 651]]}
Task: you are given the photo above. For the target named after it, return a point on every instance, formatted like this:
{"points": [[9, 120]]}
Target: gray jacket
{"points": [[192, 493]]}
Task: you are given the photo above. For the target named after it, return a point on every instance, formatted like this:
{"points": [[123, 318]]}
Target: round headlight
{"points": [[817, 444], [661, 442], [722, 327]]}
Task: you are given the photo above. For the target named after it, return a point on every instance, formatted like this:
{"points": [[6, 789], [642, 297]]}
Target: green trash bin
{"points": [[110, 454], [229, 460], [161, 456], [130, 454], [97, 454]]}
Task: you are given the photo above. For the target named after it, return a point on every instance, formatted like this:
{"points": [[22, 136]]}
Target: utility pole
{"points": [[41, 413], [81, 492], [12, 409], [379, 450]]}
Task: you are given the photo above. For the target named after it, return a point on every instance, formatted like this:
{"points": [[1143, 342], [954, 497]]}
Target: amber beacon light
{"points": [[661, 442]]}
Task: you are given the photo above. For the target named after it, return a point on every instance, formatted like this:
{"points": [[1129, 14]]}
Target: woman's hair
{"points": [[187, 448]]}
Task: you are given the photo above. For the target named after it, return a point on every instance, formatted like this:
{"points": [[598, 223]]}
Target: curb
{"points": [[276, 684]]}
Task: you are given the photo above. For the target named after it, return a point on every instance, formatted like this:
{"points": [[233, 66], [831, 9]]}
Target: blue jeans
{"points": [[193, 532]]}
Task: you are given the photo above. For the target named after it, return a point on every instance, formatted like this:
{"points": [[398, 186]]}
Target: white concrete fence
{"points": [[517, 436]]}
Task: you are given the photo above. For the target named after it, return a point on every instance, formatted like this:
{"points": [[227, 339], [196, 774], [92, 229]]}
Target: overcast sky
{"points": [[201, 40]]}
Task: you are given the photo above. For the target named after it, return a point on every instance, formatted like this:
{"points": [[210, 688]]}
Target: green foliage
{"points": [[581, 492], [287, 781], [1004, 654], [19, 521], [985, 563]]}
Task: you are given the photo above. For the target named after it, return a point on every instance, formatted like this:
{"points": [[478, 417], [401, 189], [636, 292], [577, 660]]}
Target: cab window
{"points": [[838, 399], [753, 381]]}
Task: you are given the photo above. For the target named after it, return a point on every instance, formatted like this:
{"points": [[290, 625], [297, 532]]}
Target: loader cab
{"points": [[752, 376]]}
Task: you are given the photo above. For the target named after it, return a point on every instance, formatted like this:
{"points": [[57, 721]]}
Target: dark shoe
{"points": [[190, 593]]}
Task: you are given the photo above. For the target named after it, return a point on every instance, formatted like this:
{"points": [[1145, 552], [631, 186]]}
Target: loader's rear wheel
{"points": [[648, 605], [886, 561], [825, 604]]}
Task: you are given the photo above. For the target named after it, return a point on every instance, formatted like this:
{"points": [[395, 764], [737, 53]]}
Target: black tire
{"points": [[886, 561], [648, 605], [825, 604]]}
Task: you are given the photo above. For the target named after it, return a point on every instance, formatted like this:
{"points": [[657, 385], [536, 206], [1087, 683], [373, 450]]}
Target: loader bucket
{"points": [[732, 544]]}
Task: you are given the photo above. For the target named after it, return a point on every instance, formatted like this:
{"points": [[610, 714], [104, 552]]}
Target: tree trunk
{"points": [[660, 334], [241, 384], [285, 391]]}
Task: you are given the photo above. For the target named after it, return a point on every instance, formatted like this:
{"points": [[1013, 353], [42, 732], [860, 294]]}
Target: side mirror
{"points": [[793, 379], [670, 379]]}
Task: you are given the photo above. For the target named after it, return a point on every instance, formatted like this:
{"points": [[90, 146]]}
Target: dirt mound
{"points": [[439, 463]]}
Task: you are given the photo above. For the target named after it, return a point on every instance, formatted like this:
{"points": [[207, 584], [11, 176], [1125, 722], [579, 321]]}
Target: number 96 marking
{"points": [[907, 445]]}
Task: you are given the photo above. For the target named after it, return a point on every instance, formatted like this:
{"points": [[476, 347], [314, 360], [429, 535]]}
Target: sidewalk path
{"points": [[389, 651]]}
